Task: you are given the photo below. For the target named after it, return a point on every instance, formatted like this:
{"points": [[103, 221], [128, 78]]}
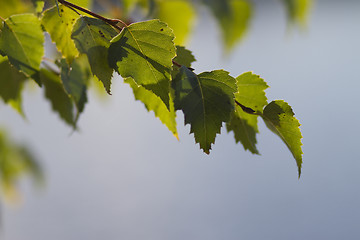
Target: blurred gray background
{"points": [[124, 176]]}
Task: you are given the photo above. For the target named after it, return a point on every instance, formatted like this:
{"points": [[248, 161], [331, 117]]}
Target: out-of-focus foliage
{"points": [[16, 161]]}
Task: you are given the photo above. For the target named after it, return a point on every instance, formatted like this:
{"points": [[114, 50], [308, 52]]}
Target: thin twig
{"points": [[112, 22], [2, 18]]}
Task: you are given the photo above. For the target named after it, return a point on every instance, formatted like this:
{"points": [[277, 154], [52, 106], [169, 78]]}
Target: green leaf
{"points": [[60, 28], [279, 118], [183, 57], [251, 95], [233, 17], [11, 7], [251, 92], [144, 52], [92, 37], [59, 99], [75, 80], [22, 41], [298, 10], [206, 100], [11, 84], [154, 103], [245, 129], [83, 3], [168, 11]]}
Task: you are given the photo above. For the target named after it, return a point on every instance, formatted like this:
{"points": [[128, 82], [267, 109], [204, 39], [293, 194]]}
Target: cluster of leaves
{"points": [[145, 55], [15, 161]]}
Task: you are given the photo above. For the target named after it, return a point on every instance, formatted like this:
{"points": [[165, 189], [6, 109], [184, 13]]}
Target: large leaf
{"points": [[168, 11], [75, 79], [11, 84], [154, 103], [279, 118], [144, 52], [59, 99], [59, 28], [22, 40], [92, 37], [250, 95], [206, 100]]}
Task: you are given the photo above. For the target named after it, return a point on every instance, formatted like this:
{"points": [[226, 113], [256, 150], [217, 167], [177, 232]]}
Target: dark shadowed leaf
{"points": [[206, 100]]}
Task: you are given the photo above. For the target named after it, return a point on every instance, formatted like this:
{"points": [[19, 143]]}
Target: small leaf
{"points": [[11, 84], [144, 52], [206, 100], [154, 103], [92, 37], [22, 41], [59, 99], [183, 57], [251, 91], [75, 79], [279, 118], [168, 11], [59, 28]]}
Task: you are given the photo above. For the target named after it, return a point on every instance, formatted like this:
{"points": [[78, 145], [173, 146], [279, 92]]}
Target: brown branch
{"points": [[112, 22]]}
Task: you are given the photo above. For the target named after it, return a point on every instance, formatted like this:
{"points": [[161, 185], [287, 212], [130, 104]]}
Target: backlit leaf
{"points": [[279, 118], [59, 28], [206, 100], [144, 52], [233, 17], [11, 7], [92, 37], [154, 103], [22, 40], [59, 99], [168, 11], [251, 95]]}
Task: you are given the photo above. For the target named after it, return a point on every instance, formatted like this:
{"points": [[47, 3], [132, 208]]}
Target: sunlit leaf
{"points": [[22, 40], [144, 52], [154, 103], [168, 11], [11, 84], [59, 99], [206, 100], [92, 37], [251, 95], [60, 28], [11, 7], [251, 92], [279, 118]]}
